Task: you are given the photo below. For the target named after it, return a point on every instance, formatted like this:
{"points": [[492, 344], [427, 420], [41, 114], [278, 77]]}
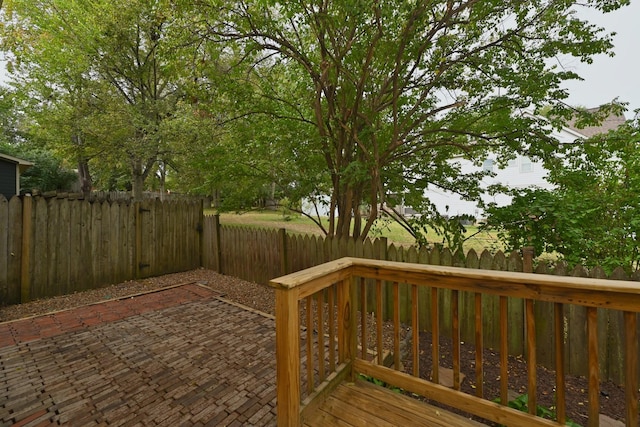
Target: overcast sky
{"points": [[610, 77], [607, 77]]}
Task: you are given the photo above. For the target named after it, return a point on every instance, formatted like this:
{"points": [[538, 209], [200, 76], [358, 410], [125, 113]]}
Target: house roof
{"points": [[22, 164], [611, 122]]}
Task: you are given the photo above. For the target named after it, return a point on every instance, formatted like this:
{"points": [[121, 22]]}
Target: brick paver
{"points": [[181, 356]]}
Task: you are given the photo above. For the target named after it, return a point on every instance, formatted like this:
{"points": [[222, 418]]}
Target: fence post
{"points": [[200, 233], [347, 332], [138, 225], [282, 241], [287, 357], [218, 249], [384, 249], [528, 253], [25, 263]]}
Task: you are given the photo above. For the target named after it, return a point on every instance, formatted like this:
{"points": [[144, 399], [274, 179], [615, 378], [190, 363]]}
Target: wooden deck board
{"points": [[364, 404]]}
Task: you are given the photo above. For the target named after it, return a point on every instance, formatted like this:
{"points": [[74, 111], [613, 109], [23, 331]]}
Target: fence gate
{"points": [[168, 237]]}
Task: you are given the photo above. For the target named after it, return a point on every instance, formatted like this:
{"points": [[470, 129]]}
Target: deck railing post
{"points": [[347, 321], [287, 357]]}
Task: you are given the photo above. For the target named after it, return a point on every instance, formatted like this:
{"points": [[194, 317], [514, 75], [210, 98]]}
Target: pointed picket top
{"points": [[579, 271], [435, 255], [618, 274], [499, 262], [412, 254], [458, 258], [367, 249], [392, 253], [514, 262], [561, 269], [446, 258], [424, 255], [472, 260], [542, 268], [598, 272]]}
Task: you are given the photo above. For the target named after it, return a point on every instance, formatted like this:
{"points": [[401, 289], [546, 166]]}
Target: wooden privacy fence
{"points": [[259, 255], [56, 246]]}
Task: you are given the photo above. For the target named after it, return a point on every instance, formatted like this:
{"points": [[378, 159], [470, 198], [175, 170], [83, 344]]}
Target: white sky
{"points": [[607, 77], [610, 77]]}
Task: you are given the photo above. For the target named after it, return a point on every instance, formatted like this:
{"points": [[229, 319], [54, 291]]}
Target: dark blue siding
{"points": [[7, 178]]}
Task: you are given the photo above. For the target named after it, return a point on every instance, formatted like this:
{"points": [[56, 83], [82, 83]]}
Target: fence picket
{"points": [[14, 250], [54, 231], [64, 246], [4, 249], [40, 249]]}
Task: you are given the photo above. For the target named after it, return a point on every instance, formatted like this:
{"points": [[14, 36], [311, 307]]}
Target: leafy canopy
{"points": [[393, 90], [592, 217], [101, 80]]}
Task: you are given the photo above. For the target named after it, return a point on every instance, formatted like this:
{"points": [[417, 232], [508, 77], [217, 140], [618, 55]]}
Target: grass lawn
{"points": [[303, 225]]}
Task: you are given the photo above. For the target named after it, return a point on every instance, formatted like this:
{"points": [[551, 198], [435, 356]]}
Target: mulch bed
{"points": [[612, 396]]}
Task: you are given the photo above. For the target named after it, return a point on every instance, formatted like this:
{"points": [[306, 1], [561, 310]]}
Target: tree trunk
{"points": [[84, 175], [83, 164], [137, 180], [163, 179]]}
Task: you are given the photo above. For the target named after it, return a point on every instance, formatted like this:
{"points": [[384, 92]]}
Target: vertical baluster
{"points": [[435, 337], [504, 351], [320, 309], [531, 357], [332, 327], [631, 367], [479, 346], [559, 352], [396, 325], [594, 371], [379, 321], [363, 318], [455, 336], [309, 326], [415, 330]]}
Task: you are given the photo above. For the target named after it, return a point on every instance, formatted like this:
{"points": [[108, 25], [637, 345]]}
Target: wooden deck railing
{"points": [[330, 328]]}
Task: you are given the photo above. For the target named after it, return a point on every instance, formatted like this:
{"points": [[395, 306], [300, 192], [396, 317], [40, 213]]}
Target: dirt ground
{"points": [[611, 395]]}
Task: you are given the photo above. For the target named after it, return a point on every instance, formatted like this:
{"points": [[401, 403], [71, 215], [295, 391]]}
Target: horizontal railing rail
{"points": [[330, 328]]}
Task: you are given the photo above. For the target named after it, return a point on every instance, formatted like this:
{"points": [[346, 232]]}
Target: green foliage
{"points": [[374, 98], [521, 403], [101, 80], [450, 230], [530, 220], [47, 172], [380, 383], [593, 215]]}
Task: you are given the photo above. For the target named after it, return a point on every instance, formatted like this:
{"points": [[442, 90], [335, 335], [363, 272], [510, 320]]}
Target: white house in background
{"points": [[521, 172]]}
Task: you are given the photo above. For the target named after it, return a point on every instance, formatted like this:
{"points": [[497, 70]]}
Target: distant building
{"points": [[520, 172], [10, 170]]}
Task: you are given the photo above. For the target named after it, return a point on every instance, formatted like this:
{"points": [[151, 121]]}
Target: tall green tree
{"points": [[111, 71], [592, 217], [394, 90]]}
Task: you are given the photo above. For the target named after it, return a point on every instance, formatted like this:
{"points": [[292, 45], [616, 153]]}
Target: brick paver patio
{"points": [[180, 356]]}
